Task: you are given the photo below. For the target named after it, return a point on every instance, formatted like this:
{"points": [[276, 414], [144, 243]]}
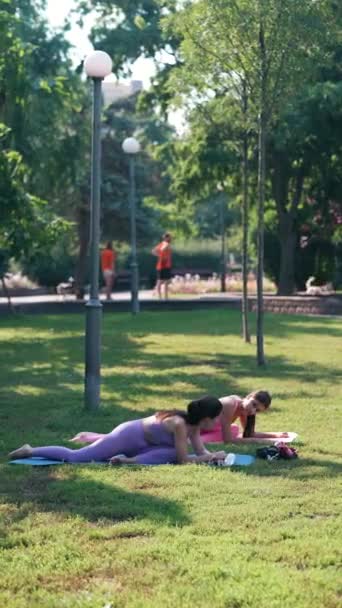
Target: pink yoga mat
{"points": [[214, 436]]}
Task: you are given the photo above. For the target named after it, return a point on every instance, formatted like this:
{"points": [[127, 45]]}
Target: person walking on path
{"points": [[108, 259], [163, 252]]}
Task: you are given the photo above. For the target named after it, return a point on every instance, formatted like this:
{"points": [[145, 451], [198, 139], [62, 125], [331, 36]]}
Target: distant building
{"points": [[112, 91]]}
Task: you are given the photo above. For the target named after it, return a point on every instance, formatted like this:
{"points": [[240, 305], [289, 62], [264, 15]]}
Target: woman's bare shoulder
{"points": [[175, 422], [230, 400]]}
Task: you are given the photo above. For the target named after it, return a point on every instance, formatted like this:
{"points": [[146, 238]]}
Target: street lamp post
{"points": [[223, 245], [131, 146], [97, 65], [220, 189]]}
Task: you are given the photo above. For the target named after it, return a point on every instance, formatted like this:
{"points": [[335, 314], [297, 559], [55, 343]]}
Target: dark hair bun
{"points": [[205, 407], [194, 408]]}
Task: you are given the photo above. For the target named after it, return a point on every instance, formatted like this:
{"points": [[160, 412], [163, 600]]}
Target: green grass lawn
{"points": [[266, 536]]}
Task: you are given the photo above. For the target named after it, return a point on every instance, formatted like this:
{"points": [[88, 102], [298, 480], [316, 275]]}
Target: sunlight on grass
{"points": [[146, 537], [34, 391]]}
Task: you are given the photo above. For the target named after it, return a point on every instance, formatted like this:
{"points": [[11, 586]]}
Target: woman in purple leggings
{"points": [[158, 439]]}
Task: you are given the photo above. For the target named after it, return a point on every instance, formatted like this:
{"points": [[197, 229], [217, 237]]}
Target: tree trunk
{"points": [[245, 213], [288, 241], [83, 241], [7, 294], [261, 201], [287, 213], [223, 243]]}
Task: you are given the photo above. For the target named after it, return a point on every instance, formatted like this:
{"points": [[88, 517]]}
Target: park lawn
{"points": [[265, 536]]}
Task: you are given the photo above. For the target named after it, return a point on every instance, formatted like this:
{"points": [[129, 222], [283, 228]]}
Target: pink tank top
{"points": [[215, 435]]}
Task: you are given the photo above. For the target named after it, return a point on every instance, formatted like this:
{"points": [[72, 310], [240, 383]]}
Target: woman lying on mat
{"points": [[225, 431], [159, 439], [234, 407]]}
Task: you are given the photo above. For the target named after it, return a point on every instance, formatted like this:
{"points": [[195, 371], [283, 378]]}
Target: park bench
{"points": [[123, 281]]}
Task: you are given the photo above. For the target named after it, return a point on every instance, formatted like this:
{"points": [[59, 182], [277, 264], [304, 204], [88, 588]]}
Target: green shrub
{"points": [[56, 266]]}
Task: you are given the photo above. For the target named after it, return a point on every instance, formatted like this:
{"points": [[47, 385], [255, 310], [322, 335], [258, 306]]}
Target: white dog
{"points": [[64, 289], [315, 290]]}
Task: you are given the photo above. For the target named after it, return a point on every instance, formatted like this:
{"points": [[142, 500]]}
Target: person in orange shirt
{"points": [[108, 259], [163, 252]]}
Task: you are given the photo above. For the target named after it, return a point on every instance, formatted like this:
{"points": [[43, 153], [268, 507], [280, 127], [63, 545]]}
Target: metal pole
{"points": [[223, 245], [94, 306], [134, 262]]}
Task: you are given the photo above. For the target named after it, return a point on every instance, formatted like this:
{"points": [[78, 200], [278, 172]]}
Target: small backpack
{"points": [[276, 452]]}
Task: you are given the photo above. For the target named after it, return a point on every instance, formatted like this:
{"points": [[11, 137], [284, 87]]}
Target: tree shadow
{"points": [[94, 501], [292, 324], [298, 469]]}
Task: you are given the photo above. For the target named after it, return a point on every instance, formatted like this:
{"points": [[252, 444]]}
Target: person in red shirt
{"points": [[108, 259], [163, 252]]}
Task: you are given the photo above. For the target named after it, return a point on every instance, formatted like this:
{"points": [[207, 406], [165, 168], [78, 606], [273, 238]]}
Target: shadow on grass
{"points": [[294, 325], [91, 500], [304, 469]]}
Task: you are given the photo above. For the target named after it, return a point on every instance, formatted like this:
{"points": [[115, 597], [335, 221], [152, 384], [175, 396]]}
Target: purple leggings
{"points": [[127, 438]]}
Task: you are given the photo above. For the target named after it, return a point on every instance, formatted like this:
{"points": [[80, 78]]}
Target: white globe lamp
{"points": [[98, 64], [131, 145]]}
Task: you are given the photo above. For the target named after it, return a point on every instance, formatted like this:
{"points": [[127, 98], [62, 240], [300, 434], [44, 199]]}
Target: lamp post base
{"points": [[135, 285], [92, 379]]}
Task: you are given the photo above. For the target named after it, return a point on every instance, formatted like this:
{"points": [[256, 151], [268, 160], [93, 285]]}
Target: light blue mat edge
{"points": [[240, 460], [35, 462]]}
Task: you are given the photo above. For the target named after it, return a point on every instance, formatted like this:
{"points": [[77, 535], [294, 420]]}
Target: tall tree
{"points": [[271, 46], [26, 221]]}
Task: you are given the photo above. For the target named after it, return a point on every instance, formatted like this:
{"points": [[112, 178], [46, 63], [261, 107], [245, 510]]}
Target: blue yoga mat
{"points": [[239, 460], [35, 462]]}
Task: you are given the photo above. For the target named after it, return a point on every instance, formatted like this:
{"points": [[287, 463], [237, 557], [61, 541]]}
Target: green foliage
{"points": [[37, 92], [126, 29], [123, 120], [27, 225], [221, 47], [53, 265], [269, 55], [265, 536]]}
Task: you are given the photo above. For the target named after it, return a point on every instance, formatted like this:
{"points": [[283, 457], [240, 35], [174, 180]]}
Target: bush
{"points": [[51, 268]]}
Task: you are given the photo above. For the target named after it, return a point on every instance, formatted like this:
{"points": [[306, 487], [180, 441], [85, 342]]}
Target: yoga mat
{"points": [[239, 460], [36, 461], [218, 438], [289, 439]]}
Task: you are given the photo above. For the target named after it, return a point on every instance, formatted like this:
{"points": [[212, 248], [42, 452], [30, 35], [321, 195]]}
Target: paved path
{"points": [[121, 301], [55, 304]]}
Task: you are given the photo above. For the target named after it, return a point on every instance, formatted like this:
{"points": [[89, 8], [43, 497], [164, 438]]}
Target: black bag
{"points": [[275, 452]]}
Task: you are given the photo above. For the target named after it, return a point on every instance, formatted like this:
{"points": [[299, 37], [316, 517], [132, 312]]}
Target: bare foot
{"points": [[24, 452], [79, 438], [121, 459]]}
